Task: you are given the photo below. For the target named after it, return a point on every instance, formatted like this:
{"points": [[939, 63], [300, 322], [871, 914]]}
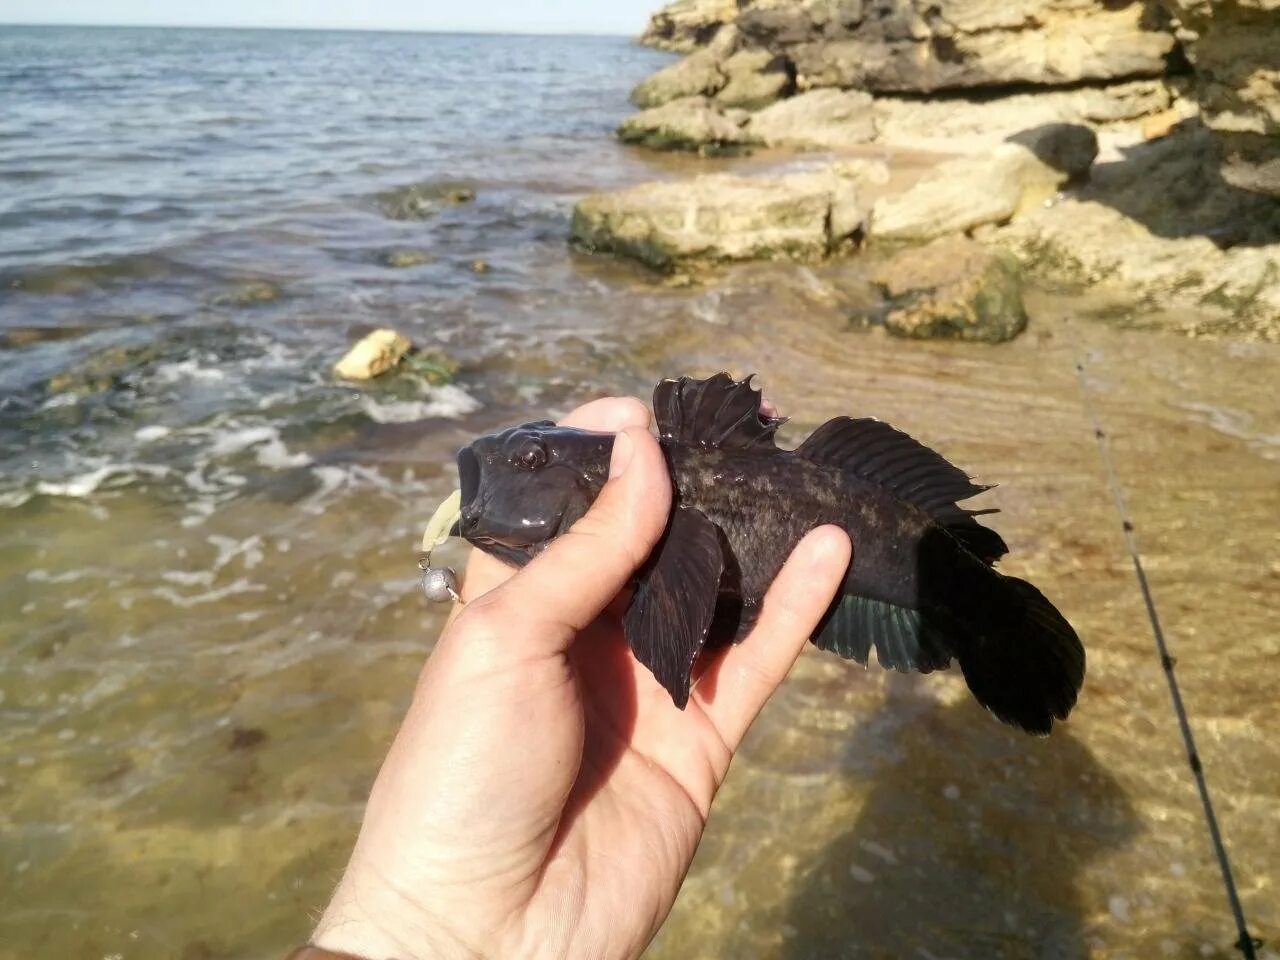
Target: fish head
{"points": [[524, 486]]}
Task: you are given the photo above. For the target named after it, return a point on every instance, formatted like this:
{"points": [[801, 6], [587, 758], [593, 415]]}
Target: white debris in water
{"points": [[878, 850], [951, 791], [40, 575], [187, 578], [861, 874], [147, 434], [1119, 907], [448, 401], [249, 550], [231, 589], [248, 616]]}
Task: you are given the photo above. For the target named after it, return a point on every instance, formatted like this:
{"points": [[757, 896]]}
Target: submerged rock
{"points": [[691, 123], [421, 201], [372, 356], [721, 217], [248, 294], [953, 288], [989, 188], [400, 259], [819, 119]]}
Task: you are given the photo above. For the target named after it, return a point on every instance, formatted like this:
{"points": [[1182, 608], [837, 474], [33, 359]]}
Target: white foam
{"points": [[81, 486], [188, 370], [249, 550], [270, 449], [147, 434], [186, 578], [14, 498], [212, 596], [447, 402], [89, 482]]}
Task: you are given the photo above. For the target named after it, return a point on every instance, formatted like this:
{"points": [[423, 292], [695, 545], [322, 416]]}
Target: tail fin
{"points": [[1022, 660]]}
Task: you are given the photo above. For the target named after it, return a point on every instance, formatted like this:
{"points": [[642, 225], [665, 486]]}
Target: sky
{"points": [[501, 16]]}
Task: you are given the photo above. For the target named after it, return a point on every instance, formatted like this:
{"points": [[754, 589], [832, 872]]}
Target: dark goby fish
{"points": [[921, 588]]}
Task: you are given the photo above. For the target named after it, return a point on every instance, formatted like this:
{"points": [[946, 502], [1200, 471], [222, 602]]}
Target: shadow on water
{"points": [[970, 844]]}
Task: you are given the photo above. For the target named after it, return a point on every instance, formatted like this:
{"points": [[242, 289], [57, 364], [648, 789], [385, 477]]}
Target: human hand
{"points": [[544, 798]]}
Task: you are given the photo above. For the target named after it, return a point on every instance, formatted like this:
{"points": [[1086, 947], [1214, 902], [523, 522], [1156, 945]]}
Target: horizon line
{"points": [[447, 31]]}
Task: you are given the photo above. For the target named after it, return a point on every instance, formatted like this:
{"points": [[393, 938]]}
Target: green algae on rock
{"points": [[421, 201], [690, 123], [953, 288]]}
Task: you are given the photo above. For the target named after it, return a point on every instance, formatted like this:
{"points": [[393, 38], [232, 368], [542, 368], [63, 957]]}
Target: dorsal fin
{"points": [[716, 412], [875, 451]]}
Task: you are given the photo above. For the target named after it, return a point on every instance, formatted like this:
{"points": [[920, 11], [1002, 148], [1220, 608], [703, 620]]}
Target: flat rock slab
{"points": [[721, 217], [818, 119]]}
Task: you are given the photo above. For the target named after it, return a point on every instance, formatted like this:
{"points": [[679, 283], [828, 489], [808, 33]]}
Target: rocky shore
{"points": [[1130, 149]]}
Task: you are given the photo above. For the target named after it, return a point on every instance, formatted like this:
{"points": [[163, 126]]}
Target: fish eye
{"points": [[532, 455]]}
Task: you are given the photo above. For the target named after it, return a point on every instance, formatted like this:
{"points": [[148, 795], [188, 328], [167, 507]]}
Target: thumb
{"points": [[570, 583]]}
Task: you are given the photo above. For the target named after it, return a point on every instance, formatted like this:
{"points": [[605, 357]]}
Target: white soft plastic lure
{"points": [[440, 584]]}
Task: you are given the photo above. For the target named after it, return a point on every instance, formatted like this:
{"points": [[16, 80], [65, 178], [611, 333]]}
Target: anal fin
{"points": [[904, 639], [675, 601]]}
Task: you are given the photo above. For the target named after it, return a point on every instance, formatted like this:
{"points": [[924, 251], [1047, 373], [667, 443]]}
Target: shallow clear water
{"points": [[209, 619]]}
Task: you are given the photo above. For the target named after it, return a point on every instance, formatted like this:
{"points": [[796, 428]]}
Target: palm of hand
{"points": [[544, 797]]}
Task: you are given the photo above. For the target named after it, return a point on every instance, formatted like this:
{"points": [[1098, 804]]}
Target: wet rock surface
{"points": [[953, 288], [422, 201]]}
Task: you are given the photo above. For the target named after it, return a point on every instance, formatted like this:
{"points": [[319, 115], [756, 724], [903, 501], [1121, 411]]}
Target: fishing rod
{"points": [[1247, 944]]}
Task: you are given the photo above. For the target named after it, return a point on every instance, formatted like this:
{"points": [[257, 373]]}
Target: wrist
{"points": [[373, 923]]}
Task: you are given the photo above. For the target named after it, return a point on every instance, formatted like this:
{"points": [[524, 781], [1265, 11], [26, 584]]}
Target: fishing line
{"points": [[1246, 944]]}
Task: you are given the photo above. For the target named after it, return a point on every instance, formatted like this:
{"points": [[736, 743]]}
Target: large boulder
{"points": [[818, 119], [1235, 48], [698, 74], [1162, 229], [691, 123], [955, 289], [893, 46], [988, 188], [754, 79], [685, 25], [720, 217]]}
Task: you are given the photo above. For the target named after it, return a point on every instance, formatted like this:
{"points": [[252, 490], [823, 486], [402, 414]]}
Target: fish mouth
{"points": [[469, 483]]}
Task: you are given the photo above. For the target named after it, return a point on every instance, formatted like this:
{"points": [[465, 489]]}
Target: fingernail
{"points": [[623, 448]]}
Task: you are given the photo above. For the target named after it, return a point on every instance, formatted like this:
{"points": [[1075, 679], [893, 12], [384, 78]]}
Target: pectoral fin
{"points": [[675, 601]]}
